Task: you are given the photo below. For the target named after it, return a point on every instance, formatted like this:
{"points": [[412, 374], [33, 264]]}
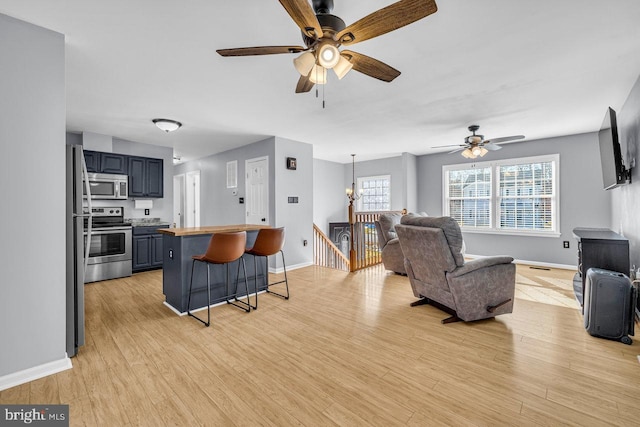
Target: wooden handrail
{"points": [[326, 253], [365, 239], [364, 251]]}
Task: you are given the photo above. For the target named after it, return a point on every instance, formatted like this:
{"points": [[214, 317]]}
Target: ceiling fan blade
{"points": [[504, 139], [304, 16], [370, 66], [260, 50], [491, 146], [392, 17], [304, 84], [447, 146], [456, 150]]}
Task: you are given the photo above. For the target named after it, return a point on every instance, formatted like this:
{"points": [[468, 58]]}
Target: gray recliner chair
{"points": [[392, 257], [439, 275]]}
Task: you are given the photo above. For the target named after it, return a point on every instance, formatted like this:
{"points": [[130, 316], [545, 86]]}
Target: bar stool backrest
{"points": [[225, 247], [270, 241]]}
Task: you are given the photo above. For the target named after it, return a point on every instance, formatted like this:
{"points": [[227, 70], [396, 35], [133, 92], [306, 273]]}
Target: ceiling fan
{"points": [[475, 145], [323, 33]]}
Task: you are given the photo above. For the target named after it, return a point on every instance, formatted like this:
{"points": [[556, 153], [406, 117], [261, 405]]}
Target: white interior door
{"points": [[257, 190], [192, 199], [179, 200]]}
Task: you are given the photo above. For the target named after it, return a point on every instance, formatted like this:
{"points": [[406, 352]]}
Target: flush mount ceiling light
{"points": [[167, 125]]}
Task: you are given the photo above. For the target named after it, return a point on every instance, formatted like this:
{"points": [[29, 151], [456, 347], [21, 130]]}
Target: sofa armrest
{"points": [[479, 263]]}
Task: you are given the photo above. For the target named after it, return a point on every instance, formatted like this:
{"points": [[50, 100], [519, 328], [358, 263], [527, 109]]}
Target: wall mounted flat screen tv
{"points": [[613, 170]]}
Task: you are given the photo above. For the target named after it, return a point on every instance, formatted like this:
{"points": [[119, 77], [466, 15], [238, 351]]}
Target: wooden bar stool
{"points": [[269, 241], [224, 248]]}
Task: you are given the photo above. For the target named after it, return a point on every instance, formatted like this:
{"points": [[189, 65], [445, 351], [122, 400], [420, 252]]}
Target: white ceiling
{"points": [[540, 68]]}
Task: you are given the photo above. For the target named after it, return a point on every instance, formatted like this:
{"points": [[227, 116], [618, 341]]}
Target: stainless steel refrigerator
{"points": [[77, 255]]}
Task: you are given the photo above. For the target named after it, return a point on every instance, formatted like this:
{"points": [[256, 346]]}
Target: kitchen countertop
{"points": [[211, 229], [147, 222]]}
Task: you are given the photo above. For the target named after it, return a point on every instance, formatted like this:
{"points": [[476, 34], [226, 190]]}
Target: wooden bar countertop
{"points": [[211, 229]]}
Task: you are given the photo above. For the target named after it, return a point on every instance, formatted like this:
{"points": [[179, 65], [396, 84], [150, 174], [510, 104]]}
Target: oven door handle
{"points": [[110, 230]]}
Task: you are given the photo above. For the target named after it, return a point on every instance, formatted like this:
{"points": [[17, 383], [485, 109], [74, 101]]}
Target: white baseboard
{"points": [[534, 263], [290, 267], [195, 310], [32, 374]]}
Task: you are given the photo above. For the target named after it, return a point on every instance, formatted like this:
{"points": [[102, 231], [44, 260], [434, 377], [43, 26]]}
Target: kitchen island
{"points": [[180, 244]]}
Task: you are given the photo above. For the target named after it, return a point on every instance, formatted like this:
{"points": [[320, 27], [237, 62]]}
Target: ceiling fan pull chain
{"points": [[323, 95]]}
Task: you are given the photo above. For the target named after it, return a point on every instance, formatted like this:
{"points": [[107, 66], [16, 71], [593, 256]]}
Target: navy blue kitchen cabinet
{"points": [[92, 159], [113, 163], [147, 248], [145, 177], [106, 162]]}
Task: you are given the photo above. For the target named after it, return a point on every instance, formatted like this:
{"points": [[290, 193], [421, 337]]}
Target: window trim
{"points": [[360, 201], [494, 204]]}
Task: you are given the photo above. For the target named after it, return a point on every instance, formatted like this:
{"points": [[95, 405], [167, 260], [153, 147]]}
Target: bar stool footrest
{"points": [[198, 319], [243, 305]]}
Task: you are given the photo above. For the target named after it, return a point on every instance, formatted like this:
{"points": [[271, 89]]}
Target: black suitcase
{"points": [[609, 305]]}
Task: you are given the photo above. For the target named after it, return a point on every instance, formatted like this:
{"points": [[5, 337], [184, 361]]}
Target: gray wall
{"points": [[219, 206], [329, 193], [389, 166], [583, 202], [32, 133], [625, 204], [410, 177], [331, 179], [296, 217]]}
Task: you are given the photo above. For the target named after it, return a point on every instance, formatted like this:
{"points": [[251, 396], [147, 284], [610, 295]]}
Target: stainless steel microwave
{"points": [[107, 186]]}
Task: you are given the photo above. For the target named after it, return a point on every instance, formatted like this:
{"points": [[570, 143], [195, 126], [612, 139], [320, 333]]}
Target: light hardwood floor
{"points": [[346, 349]]}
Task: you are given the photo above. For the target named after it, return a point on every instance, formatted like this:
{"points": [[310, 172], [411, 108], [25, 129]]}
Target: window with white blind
{"points": [[515, 196], [376, 193]]}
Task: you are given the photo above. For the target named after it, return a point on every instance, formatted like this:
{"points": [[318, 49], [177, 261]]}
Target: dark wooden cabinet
{"points": [[113, 163], [155, 177], [146, 177], [92, 159], [599, 248], [147, 248], [136, 177], [141, 253]]}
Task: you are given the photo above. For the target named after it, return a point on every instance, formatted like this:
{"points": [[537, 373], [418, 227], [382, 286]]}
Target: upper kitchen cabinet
{"points": [[92, 159], [106, 162], [145, 177], [113, 163]]}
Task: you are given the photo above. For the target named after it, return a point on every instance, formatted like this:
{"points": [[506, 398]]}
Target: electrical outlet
{"points": [[565, 244], [146, 212]]}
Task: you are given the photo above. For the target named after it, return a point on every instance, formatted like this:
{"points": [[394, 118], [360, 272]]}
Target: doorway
{"points": [[257, 190], [179, 200], [186, 199]]}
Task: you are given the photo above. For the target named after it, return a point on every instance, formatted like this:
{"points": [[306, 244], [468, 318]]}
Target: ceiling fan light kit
{"points": [[342, 67], [476, 146], [318, 75], [304, 63], [328, 55], [323, 34]]}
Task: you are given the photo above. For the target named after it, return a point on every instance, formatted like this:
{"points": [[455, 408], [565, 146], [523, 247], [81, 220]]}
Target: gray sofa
{"points": [[388, 243], [439, 275]]}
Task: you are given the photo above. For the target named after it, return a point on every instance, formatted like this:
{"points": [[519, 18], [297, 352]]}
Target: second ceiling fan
{"points": [[475, 145], [323, 33]]}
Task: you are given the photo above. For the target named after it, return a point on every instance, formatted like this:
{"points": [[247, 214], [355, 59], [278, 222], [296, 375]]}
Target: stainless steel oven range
{"points": [[110, 245]]}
